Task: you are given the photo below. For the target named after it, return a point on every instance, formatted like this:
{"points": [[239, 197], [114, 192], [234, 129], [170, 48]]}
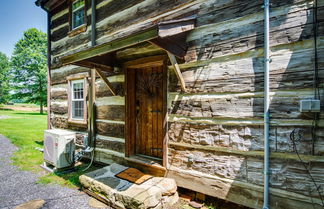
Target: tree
{"points": [[4, 78], [29, 68]]}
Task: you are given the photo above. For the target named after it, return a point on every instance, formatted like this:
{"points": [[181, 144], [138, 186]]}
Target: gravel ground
{"points": [[17, 187]]}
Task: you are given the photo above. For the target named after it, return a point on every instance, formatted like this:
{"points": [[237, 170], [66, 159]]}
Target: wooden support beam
{"points": [[111, 46], [91, 114], [109, 85], [177, 46], [89, 64], [152, 61], [177, 71], [174, 27]]}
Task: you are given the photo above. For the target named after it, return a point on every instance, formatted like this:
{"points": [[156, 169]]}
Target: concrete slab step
{"points": [[157, 192]]}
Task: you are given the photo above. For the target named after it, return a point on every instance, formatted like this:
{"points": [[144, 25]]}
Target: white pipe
{"points": [[266, 104]]}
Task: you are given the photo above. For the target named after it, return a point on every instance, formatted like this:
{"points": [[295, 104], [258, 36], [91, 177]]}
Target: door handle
{"points": [[156, 111]]}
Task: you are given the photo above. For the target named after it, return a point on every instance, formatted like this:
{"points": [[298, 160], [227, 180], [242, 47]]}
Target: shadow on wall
{"points": [[291, 79]]}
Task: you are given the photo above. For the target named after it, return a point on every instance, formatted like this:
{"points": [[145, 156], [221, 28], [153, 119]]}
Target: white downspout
{"points": [[266, 104]]}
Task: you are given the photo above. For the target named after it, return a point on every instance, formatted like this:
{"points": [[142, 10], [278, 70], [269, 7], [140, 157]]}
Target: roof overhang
{"points": [[168, 35], [49, 5]]}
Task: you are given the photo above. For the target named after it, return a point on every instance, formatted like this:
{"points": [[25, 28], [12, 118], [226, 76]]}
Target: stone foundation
{"points": [[156, 192]]}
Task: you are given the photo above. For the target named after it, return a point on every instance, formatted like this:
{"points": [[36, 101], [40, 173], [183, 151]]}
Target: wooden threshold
{"points": [[146, 165]]}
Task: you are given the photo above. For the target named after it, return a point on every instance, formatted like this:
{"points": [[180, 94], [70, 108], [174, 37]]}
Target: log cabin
{"points": [[182, 83]]}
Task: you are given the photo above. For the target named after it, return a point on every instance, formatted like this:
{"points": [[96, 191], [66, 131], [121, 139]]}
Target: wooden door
{"points": [[149, 111], [146, 99]]}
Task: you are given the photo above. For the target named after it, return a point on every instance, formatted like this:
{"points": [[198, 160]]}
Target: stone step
{"points": [[157, 192]]}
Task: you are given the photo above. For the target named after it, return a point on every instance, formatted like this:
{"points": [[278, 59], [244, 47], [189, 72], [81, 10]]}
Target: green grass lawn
{"points": [[26, 131]]}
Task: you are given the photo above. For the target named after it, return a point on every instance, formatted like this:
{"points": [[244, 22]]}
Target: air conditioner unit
{"points": [[59, 148]]}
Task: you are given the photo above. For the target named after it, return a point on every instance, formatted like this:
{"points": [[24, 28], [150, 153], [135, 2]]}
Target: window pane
{"points": [[78, 91], [78, 17], [77, 4], [77, 109]]}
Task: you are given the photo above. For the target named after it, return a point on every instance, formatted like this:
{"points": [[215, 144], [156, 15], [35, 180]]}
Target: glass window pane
{"points": [[77, 100], [78, 17], [77, 109], [77, 4], [78, 91]]}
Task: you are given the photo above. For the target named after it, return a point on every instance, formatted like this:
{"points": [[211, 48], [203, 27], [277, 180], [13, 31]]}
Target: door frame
{"points": [[130, 101]]}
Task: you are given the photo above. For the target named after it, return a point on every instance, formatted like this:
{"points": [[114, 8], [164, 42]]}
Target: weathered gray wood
{"points": [[234, 106], [177, 71], [110, 145], [240, 192], [113, 27], [89, 64], [138, 51], [218, 121], [110, 129], [111, 112], [61, 122], [242, 74], [109, 85]]}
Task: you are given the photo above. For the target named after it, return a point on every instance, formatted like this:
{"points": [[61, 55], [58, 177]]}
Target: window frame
{"points": [[71, 81], [73, 99], [81, 28]]}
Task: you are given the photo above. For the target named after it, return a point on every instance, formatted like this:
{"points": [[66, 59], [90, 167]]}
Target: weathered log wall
{"points": [[110, 110], [215, 129]]}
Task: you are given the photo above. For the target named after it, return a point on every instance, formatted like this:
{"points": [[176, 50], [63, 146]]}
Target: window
{"points": [[78, 13], [77, 100]]}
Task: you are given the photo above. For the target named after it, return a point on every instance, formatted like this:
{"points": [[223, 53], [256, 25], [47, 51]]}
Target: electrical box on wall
{"points": [[313, 105]]}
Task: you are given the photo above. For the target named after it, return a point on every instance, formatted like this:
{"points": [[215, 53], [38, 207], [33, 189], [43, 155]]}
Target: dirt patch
{"points": [[4, 117], [22, 108]]}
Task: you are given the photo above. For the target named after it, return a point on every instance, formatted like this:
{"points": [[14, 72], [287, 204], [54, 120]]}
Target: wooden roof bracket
{"points": [[172, 39], [177, 71], [107, 82], [90, 64], [99, 67]]}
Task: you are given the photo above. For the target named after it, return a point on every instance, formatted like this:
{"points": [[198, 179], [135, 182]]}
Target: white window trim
{"points": [[73, 79], [73, 99], [75, 10]]}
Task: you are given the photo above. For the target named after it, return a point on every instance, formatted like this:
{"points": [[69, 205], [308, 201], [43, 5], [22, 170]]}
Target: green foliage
{"points": [[26, 131], [4, 78], [29, 68]]}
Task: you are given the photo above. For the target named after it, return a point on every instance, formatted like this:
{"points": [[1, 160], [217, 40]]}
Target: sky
{"points": [[16, 16]]}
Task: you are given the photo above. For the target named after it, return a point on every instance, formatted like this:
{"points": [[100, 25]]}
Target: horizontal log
{"points": [[59, 76], [248, 194], [139, 51], [287, 170], [230, 106], [113, 46], [111, 112], [241, 122], [255, 154], [245, 73], [244, 138], [110, 129], [110, 145], [106, 33], [220, 11], [112, 100], [60, 108], [59, 92], [61, 122]]}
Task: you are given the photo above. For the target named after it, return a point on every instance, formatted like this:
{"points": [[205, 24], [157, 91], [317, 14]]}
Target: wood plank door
{"points": [[146, 104]]}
